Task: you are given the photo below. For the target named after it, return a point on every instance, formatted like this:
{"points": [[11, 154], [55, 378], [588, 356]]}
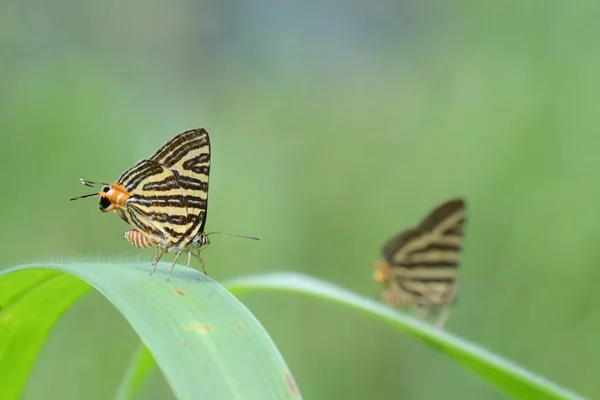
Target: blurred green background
{"points": [[334, 125]]}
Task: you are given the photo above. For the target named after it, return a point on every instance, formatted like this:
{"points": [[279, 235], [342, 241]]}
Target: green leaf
{"points": [[506, 375], [206, 343], [141, 365], [26, 318]]}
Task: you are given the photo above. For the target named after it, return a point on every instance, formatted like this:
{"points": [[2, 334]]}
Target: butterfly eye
{"points": [[104, 203], [201, 241], [105, 189]]}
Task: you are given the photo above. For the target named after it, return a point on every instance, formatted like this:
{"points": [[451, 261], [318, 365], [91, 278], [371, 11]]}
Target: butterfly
{"points": [[421, 263], [165, 198]]}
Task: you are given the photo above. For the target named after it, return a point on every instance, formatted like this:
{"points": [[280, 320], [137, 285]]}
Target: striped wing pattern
{"points": [[423, 261], [169, 191]]}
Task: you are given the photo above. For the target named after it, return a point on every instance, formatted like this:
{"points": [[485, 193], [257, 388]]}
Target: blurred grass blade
{"points": [[140, 367], [26, 319], [507, 376], [206, 343]]}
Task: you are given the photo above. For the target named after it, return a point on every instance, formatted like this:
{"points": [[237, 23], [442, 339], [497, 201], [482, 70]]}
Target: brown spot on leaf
{"points": [[239, 327], [289, 379], [184, 345], [180, 292], [198, 328]]}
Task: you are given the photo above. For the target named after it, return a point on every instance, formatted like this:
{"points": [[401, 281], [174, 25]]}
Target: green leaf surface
{"points": [[511, 378], [141, 365], [206, 343]]}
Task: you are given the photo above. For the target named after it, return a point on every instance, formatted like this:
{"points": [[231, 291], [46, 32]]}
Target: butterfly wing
{"points": [[187, 156], [423, 260], [156, 205]]}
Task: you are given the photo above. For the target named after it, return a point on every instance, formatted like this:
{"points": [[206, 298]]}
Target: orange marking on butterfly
{"points": [[116, 194], [382, 272]]}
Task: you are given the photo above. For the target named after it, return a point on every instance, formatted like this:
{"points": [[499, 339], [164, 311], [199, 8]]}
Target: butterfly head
{"points": [[382, 272], [201, 241], [112, 195]]}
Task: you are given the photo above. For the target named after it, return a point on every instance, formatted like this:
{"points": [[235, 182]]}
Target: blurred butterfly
{"points": [[421, 263]]}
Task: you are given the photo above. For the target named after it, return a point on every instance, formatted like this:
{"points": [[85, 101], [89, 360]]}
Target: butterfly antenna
{"points": [[89, 184], [235, 234], [92, 184], [84, 196]]}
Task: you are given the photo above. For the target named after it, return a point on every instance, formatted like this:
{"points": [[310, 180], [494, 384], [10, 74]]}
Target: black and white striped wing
{"points": [[424, 260], [168, 192], [187, 156], [156, 206]]}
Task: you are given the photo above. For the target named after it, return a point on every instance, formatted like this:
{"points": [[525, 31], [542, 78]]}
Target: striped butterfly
{"points": [[421, 263], [165, 198]]}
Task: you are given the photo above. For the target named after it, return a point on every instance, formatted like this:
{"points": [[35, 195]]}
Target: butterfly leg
{"points": [[188, 264], [203, 265], [421, 312], [448, 300], [159, 254], [173, 265], [443, 317]]}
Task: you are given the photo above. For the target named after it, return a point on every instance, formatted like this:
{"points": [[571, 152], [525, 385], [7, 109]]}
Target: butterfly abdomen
{"points": [[137, 239]]}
